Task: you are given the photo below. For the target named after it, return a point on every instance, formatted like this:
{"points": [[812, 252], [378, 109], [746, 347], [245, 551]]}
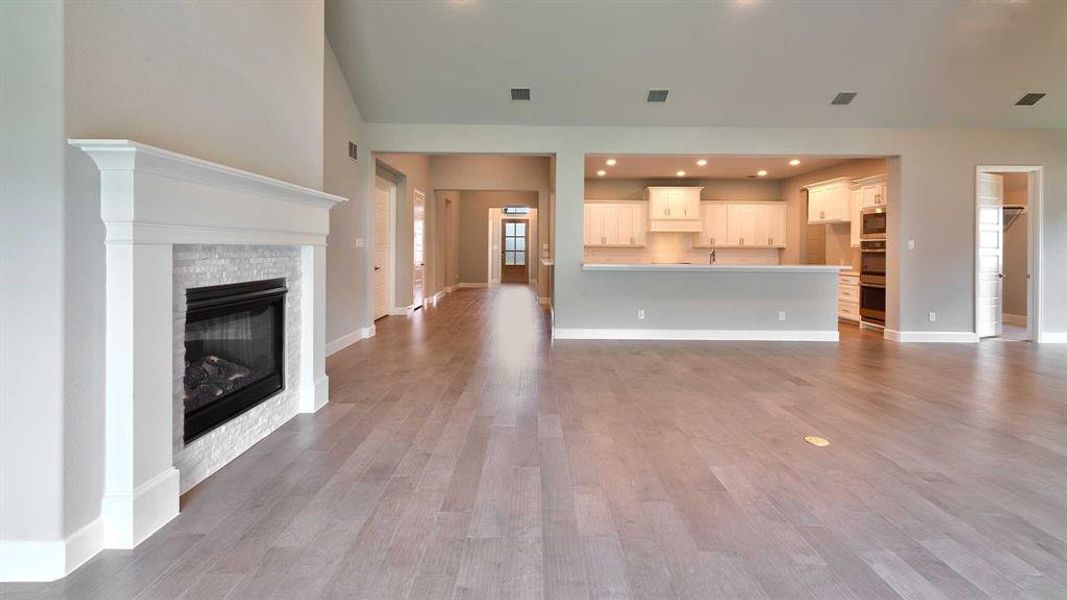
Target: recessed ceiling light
{"points": [[761, 173], [1030, 99], [601, 173], [794, 162], [610, 162], [702, 163], [680, 173], [843, 98]]}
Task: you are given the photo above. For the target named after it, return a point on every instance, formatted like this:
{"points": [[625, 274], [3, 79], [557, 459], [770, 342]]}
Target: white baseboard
{"points": [[1011, 319], [35, 561], [1054, 337], [403, 311], [697, 334], [131, 516], [315, 395], [956, 337], [346, 340], [473, 285]]}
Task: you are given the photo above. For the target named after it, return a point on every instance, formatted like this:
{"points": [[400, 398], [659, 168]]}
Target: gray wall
{"points": [[931, 176], [714, 189], [196, 79], [32, 291], [473, 234], [346, 274]]}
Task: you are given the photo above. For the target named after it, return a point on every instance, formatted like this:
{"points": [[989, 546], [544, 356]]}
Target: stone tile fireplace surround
{"points": [[175, 222]]}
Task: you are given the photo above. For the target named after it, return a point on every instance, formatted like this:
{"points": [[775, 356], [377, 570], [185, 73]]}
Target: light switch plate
{"points": [[359, 242], [911, 244]]}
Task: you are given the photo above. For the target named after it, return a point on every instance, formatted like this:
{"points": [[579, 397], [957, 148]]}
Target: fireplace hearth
{"points": [[234, 351]]}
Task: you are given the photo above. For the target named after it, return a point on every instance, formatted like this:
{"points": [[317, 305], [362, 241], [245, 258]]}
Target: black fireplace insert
{"points": [[234, 351]]}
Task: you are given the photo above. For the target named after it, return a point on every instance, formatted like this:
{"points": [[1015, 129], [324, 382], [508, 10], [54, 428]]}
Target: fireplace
{"points": [[234, 351]]}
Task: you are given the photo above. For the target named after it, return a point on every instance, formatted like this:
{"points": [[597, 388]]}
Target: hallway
{"points": [[465, 456]]}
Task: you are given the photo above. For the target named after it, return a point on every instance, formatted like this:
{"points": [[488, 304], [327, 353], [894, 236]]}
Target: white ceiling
{"points": [[732, 62], [718, 167]]}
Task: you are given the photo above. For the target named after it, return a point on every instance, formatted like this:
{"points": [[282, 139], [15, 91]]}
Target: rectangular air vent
{"points": [[657, 95], [353, 151], [520, 94], [1030, 99], [843, 98]]}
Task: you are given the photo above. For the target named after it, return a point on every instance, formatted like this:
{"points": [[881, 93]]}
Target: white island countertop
{"points": [[735, 268]]}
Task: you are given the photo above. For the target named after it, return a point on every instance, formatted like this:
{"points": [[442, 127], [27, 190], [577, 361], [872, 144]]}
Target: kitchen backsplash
{"points": [[678, 248]]}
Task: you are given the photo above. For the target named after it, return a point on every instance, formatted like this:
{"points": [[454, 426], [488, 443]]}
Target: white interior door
{"points": [[418, 269], [383, 193], [990, 292]]}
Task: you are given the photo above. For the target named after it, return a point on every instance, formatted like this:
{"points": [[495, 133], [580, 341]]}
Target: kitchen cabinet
{"points": [[855, 203], [674, 202], [828, 201], [714, 229], [748, 224], [615, 224], [873, 191], [674, 209], [848, 296]]}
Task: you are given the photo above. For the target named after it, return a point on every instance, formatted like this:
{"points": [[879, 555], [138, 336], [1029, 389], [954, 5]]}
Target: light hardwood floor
{"points": [[465, 456]]}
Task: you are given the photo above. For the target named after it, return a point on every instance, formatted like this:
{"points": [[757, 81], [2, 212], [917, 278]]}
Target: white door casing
{"points": [[990, 292], [383, 198], [418, 268]]}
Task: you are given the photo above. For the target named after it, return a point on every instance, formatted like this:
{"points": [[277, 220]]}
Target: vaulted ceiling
{"points": [[913, 63]]}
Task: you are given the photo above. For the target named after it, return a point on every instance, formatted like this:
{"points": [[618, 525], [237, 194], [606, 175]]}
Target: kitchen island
{"points": [[706, 302]]}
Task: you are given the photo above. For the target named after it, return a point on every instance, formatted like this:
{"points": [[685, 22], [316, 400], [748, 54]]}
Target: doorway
{"points": [[384, 209], [418, 268], [1007, 253], [514, 243]]}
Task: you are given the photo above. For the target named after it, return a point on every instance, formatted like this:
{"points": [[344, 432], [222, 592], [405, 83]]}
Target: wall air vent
{"points": [[657, 96], [1030, 99], [520, 94], [353, 151], [843, 98]]}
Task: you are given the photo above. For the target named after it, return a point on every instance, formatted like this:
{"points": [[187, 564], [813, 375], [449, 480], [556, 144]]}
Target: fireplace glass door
{"points": [[234, 346]]}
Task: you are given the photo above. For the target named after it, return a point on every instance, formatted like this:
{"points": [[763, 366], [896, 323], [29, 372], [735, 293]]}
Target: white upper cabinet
{"points": [[674, 208], [829, 201], [615, 224], [748, 224], [855, 206], [872, 190]]}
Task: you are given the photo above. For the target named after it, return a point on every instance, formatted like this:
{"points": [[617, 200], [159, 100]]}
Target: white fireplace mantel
{"points": [[150, 200]]}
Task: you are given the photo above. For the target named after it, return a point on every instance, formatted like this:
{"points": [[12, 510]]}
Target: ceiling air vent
{"points": [[843, 98], [1030, 99], [657, 96], [520, 94]]}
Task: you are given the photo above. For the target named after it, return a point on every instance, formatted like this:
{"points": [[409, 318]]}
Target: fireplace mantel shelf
{"points": [[199, 201]]}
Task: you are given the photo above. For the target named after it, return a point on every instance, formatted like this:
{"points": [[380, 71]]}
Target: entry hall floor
{"points": [[463, 455]]}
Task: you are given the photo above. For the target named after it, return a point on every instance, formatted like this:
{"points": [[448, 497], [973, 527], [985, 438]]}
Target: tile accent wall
{"points": [[202, 265]]}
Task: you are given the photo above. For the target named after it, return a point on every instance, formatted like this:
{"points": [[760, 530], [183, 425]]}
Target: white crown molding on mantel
{"points": [[229, 206], [150, 200]]}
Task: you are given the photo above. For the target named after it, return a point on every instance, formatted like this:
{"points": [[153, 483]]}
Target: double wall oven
{"points": [[873, 265]]}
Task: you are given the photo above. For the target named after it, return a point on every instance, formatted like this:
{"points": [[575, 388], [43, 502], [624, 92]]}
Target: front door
{"points": [[513, 267], [419, 267], [383, 192], [990, 296]]}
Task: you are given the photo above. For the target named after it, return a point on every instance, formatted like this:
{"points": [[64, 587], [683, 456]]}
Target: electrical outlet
{"points": [[933, 317], [781, 315], [911, 244], [641, 314], [359, 242]]}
